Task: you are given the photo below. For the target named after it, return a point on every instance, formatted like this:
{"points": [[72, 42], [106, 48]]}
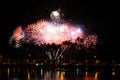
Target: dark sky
{"points": [[98, 18]]}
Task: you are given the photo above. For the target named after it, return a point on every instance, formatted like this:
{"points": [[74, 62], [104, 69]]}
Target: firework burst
{"points": [[46, 32]]}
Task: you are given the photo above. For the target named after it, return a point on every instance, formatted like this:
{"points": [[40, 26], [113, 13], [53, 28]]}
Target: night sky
{"points": [[98, 18]]}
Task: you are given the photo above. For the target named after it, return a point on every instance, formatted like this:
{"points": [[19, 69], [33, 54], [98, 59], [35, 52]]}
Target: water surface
{"points": [[52, 73]]}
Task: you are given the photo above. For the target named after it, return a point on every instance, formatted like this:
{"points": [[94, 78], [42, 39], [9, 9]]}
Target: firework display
{"points": [[44, 32]]}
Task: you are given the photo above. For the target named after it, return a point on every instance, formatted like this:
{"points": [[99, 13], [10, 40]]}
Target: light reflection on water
{"points": [[41, 73]]}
